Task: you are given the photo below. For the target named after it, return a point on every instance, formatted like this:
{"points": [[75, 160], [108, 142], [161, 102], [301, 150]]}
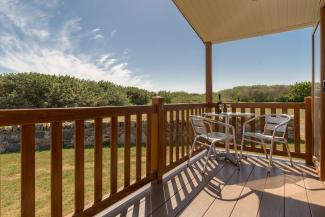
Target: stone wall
{"points": [[10, 136], [10, 139]]}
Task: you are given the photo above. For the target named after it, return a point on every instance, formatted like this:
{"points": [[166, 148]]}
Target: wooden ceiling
{"points": [[220, 21]]}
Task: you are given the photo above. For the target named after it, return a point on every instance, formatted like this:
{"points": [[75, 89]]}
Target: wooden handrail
{"points": [[10, 117], [169, 107], [289, 105]]}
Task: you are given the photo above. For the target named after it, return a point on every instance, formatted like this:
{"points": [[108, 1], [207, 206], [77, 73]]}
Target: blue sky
{"points": [[144, 43]]}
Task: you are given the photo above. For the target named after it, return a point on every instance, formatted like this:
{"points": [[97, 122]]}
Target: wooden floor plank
{"points": [[249, 200], [223, 191], [172, 190], [272, 204], [296, 202], [212, 189], [159, 194], [182, 198], [225, 202], [315, 193]]}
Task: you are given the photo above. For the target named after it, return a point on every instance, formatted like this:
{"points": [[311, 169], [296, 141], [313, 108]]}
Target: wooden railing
{"points": [[179, 134], [28, 118], [300, 113], [169, 137]]}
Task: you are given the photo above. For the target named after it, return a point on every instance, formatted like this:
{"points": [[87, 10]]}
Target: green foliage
{"points": [[298, 91], [167, 96], [255, 93], [138, 96], [27, 90], [34, 90]]}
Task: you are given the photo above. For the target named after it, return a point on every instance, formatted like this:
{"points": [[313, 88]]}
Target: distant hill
{"points": [[35, 90]]}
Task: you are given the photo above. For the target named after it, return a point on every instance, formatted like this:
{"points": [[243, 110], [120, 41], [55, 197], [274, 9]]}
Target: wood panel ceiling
{"points": [[220, 21]]}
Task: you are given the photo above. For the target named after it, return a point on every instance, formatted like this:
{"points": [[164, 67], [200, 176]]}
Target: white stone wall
{"points": [[10, 136]]}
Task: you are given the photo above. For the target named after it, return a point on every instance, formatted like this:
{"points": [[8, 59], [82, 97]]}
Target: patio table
{"points": [[228, 116]]}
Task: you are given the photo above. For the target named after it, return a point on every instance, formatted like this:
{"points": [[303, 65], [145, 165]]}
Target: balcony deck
{"points": [[227, 191]]}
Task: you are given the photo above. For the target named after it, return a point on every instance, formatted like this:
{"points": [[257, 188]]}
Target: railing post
{"points": [[157, 145], [27, 170], [308, 130]]}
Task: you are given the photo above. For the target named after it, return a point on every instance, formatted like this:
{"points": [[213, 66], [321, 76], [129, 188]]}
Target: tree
{"points": [[137, 96], [166, 95], [35, 90], [299, 90]]}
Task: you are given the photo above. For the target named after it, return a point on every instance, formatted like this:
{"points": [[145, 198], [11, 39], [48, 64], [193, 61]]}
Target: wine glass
{"points": [[228, 106], [221, 106]]}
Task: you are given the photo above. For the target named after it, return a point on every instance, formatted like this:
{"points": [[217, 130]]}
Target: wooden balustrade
{"points": [[178, 131], [184, 138], [28, 118], [169, 138], [295, 109]]}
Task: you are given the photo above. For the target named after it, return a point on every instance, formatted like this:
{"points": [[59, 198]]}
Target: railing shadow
{"points": [[181, 186]]}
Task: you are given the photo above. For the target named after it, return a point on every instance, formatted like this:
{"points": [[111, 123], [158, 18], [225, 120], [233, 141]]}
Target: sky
{"points": [[143, 43]]}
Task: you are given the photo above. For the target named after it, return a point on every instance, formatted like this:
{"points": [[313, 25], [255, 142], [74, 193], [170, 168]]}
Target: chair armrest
{"points": [[252, 119], [280, 125], [220, 123]]}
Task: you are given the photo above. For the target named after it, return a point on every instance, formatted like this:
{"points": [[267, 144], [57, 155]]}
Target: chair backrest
{"points": [[198, 125], [271, 121]]}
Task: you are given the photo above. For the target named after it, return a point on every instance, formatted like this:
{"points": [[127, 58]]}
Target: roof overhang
{"points": [[218, 21]]}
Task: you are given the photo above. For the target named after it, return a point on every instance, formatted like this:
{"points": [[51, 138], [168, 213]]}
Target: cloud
{"points": [[95, 30], [98, 36], [113, 33], [48, 3], [23, 18], [27, 43], [66, 34]]}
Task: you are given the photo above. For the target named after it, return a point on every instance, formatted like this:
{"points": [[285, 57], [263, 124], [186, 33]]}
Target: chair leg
{"points": [[289, 154], [214, 152], [191, 151], [264, 148], [235, 147], [270, 160], [207, 157], [242, 147]]}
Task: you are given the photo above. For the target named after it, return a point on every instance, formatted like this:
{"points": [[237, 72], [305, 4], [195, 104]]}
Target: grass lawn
{"points": [[10, 179]]}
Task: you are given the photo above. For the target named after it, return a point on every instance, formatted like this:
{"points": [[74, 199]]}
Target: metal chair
{"points": [[204, 135], [274, 131]]}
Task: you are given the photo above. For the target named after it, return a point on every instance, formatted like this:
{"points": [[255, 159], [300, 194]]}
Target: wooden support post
{"points": [[208, 74], [56, 169], [98, 156], [157, 145], [27, 170], [79, 166], [308, 130], [322, 94]]}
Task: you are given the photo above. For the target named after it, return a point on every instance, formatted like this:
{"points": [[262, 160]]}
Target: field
{"points": [[10, 179]]}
